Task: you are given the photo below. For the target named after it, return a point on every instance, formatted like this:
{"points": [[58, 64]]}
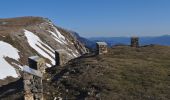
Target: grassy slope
{"points": [[123, 74]]}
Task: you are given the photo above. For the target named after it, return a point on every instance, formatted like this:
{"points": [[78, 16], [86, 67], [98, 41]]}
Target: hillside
{"points": [[23, 37], [124, 73]]}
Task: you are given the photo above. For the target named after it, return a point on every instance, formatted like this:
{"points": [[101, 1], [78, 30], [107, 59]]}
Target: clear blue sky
{"points": [[93, 18]]}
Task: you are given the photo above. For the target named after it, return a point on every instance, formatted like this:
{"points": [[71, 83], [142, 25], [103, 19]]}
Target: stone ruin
{"points": [[101, 48], [32, 78], [60, 57], [134, 42], [37, 63]]}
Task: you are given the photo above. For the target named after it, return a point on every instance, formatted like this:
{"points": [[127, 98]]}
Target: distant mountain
{"points": [[160, 40], [87, 42]]}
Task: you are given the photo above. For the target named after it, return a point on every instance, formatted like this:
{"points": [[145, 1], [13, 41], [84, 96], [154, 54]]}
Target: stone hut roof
{"points": [[32, 71], [135, 37], [36, 58]]}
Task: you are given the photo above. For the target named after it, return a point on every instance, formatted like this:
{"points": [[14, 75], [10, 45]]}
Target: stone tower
{"points": [[101, 48], [32, 78], [134, 42], [60, 57], [37, 63]]}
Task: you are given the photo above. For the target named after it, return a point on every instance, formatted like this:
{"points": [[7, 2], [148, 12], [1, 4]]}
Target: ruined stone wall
{"points": [[32, 78], [37, 63], [101, 49], [60, 57], [33, 88]]}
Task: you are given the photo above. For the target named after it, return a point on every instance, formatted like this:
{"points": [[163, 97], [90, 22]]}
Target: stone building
{"points": [[134, 42], [101, 48], [37, 63], [32, 79], [60, 57]]}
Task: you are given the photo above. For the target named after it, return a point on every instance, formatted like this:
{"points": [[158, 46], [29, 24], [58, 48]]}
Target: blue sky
{"points": [[92, 18]]}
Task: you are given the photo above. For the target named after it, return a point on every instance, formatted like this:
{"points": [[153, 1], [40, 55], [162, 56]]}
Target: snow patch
{"points": [[19, 66], [36, 43], [59, 34], [58, 37], [7, 50], [73, 54], [55, 37], [48, 65]]}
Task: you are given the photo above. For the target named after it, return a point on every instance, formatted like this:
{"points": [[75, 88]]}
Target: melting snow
{"points": [[58, 37], [48, 65], [59, 34], [19, 66], [55, 37], [7, 50], [36, 43], [73, 54]]}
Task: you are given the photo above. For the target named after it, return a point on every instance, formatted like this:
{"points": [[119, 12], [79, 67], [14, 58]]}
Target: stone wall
{"points": [[33, 89], [37, 63], [32, 79], [60, 57], [101, 48]]}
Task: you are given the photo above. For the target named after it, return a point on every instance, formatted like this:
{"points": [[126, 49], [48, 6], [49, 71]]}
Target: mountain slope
{"points": [[89, 44], [29, 36]]}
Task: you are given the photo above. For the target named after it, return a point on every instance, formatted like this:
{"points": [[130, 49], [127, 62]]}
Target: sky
{"points": [[97, 18]]}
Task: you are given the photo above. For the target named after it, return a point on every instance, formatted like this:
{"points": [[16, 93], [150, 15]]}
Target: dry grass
{"points": [[124, 73]]}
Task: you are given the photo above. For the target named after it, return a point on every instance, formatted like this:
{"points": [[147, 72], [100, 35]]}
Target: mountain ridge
{"points": [[32, 36]]}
